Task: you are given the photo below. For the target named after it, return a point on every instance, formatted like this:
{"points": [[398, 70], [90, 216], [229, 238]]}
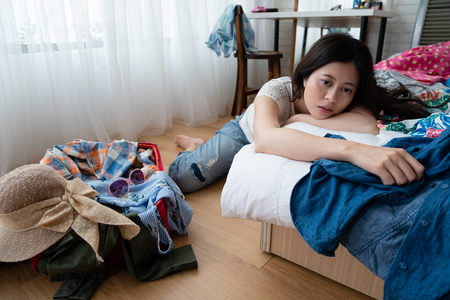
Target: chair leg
{"points": [[270, 64], [240, 89], [236, 92], [274, 68]]}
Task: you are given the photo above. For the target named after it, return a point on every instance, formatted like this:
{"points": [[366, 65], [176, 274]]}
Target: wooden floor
{"points": [[230, 263]]}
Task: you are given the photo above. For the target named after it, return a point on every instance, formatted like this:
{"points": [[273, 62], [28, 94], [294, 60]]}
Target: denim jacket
{"points": [[398, 232]]}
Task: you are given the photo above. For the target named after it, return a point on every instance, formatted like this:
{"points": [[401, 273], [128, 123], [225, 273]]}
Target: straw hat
{"points": [[38, 207]]}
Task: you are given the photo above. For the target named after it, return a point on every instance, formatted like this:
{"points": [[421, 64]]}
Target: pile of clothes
{"points": [[60, 214]]}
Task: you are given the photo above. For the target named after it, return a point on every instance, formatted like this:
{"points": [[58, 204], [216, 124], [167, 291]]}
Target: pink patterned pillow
{"points": [[426, 64]]}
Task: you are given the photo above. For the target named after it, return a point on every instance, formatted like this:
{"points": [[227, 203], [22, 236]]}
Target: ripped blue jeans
{"points": [[194, 170]]}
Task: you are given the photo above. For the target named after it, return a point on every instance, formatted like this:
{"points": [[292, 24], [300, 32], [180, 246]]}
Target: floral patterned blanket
{"points": [[431, 126]]}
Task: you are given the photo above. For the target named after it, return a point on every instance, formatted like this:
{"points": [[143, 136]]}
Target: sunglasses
{"points": [[119, 188]]}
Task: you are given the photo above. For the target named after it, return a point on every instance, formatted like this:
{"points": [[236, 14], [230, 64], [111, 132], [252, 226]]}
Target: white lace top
{"points": [[280, 90]]}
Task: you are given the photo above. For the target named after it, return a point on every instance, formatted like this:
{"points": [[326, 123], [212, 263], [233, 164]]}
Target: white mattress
{"points": [[259, 186]]}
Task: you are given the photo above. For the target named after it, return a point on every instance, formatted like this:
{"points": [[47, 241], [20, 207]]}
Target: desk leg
{"points": [[305, 33], [277, 29], [381, 39], [363, 30]]}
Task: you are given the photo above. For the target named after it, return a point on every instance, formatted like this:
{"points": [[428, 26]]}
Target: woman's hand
{"points": [[392, 165]]}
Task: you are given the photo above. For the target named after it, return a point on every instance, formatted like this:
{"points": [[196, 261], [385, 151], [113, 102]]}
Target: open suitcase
{"points": [[116, 256]]}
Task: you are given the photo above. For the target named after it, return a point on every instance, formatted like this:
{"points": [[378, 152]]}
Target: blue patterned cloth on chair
{"points": [[223, 36]]}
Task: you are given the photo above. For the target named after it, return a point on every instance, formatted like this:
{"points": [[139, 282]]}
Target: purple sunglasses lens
{"points": [[137, 176], [119, 188]]}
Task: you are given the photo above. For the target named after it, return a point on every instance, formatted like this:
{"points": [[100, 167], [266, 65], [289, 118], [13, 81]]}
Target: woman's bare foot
{"points": [[188, 143]]}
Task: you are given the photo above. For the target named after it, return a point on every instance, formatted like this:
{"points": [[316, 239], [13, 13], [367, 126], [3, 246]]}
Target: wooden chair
{"points": [[273, 57]]}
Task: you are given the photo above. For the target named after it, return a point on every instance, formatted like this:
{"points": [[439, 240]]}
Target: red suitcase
{"points": [[116, 256]]}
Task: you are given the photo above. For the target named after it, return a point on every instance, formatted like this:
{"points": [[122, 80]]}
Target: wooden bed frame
{"points": [[343, 268]]}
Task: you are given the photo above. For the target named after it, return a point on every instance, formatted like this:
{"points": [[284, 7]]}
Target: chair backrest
{"points": [[239, 11], [432, 23]]}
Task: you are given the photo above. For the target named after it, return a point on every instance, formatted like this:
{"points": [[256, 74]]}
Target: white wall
{"points": [[398, 37]]}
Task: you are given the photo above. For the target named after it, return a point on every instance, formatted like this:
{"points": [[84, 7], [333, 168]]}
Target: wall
{"points": [[398, 37]]}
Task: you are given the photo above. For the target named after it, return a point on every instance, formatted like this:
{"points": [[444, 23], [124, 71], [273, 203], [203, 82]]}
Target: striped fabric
{"points": [[142, 200]]}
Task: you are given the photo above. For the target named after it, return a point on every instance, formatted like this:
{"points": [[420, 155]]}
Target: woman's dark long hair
{"points": [[338, 47]]}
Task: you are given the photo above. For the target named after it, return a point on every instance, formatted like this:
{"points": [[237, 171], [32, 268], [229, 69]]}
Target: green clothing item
{"points": [[73, 261], [145, 264], [77, 285]]}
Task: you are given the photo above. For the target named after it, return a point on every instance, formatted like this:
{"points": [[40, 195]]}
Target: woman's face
{"points": [[329, 90]]}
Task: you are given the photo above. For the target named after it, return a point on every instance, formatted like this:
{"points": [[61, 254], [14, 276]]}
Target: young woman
{"points": [[332, 87]]}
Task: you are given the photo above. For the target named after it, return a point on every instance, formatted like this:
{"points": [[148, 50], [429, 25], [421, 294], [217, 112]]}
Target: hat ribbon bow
{"points": [[75, 210]]}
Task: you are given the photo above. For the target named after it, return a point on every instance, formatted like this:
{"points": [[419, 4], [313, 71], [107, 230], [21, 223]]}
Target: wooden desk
{"points": [[332, 19]]}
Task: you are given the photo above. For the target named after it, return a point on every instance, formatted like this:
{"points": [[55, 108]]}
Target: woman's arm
{"points": [[357, 120], [393, 166]]}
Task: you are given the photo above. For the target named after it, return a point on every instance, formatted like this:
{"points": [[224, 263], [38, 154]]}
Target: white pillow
{"points": [[259, 186]]}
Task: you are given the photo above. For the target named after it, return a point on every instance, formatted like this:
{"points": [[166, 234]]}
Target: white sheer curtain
{"points": [[101, 70]]}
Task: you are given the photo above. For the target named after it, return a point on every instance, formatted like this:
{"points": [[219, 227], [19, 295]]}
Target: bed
{"points": [[259, 186], [257, 190]]}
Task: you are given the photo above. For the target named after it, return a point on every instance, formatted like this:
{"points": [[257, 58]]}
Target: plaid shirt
{"points": [[98, 161], [223, 36]]}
